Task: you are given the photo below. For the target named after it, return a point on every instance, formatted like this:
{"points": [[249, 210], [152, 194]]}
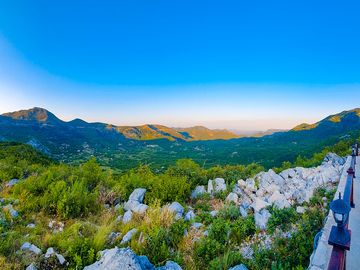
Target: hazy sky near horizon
{"points": [[222, 64]]}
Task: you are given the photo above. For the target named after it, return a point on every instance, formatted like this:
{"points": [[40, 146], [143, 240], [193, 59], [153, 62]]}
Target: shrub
{"points": [[242, 228], [281, 218]]}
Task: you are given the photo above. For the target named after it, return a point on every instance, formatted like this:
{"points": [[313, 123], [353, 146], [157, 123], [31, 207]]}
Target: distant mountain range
{"points": [[124, 146]]}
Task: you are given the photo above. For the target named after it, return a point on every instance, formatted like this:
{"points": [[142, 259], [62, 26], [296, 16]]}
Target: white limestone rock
{"points": [[219, 185], [259, 204], [214, 213], [177, 209], [300, 210], [210, 188], [30, 247], [170, 265], [239, 267], [12, 183], [279, 200], [232, 197], [199, 190], [140, 209], [127, 237], [138, 195], [190, 215], [127, 217], [31, 267], [262, 218], [116, 258]]}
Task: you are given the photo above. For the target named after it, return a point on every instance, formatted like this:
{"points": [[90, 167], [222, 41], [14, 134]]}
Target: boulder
{"points": [[239, 267], [117, 258], [127, 237], [232, 197], [189, 215], [140, 209], [138, 195], [198, 191], [50, 252], [197, 225], [30, 247], [170, 265], [261, 218], [177, 209], [127, 217], [219, 185], [131, 205]]}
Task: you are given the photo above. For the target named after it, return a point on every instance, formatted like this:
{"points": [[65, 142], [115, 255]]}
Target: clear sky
{"points": [[247, 65]]}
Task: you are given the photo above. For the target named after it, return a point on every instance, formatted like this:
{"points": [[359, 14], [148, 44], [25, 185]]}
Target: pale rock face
{"points": [[259, 204], [127, 217], [189, 216], [198, 191], [127, 237], [334, 159], [261, 218], [238, 190], [220, 185], [241, 183], [232, 197], [279, 200], [210, 188], [138, 195]]}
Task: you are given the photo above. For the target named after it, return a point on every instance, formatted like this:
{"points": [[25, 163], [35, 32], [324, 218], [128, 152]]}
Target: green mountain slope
{"points": [[125, 147]]}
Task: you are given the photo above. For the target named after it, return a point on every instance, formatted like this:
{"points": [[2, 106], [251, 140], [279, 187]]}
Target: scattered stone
{"points": [[117, 258], [30, 247], [232, 197], [197, 225], [56, 226], [243, 211], [300, 210], [13, 213], [127, 217], [261, 219], [170, 265], [220, 185], [127, 237], [31, 267], [112, 236], [214, 213], [198, 191], [117, 207], [239, 267], [30, 225], [12, 182], [140, 209], [138, 195], [189, 215], [118, 218], [177, 209], [210, 188]]}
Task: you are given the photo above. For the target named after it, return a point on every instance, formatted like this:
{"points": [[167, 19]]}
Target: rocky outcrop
{"points": [[125, 259], [295, 185], [135, 204]]}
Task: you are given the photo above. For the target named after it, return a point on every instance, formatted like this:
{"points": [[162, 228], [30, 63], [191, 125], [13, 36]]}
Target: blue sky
{"points": [[224, 64]]}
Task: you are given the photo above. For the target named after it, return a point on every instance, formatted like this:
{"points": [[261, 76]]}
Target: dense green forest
{"points": [[83, 198]]}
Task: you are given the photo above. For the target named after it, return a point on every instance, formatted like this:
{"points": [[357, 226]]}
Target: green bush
{"points": [[281, 218]]}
